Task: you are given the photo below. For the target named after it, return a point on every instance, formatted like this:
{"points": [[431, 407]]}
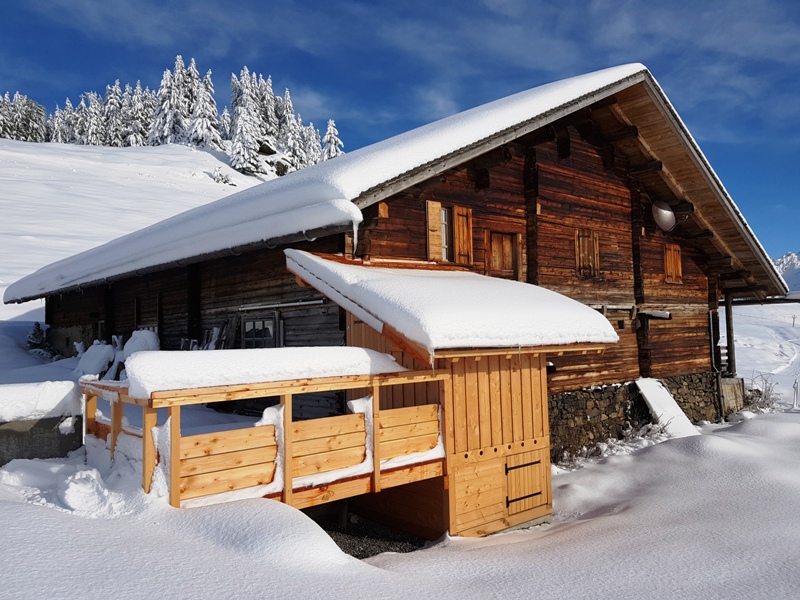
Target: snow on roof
{"points": [[313, 198], [453, 309], [154, 371]]}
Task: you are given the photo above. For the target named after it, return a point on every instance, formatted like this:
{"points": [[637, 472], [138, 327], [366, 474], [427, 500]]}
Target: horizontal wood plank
{"points": [[228, 460], [225, 481], [220, 442]]}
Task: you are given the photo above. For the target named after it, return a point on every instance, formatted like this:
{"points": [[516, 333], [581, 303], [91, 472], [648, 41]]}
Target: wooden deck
{"points": [[314, 450]]}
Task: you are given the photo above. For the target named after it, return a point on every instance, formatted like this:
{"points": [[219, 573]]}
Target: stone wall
{"points": [[52, 437], [582, 418]]}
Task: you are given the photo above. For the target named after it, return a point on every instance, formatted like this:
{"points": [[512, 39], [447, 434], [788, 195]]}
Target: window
{"points": [[673, 270], [587, 253], [260, 332], [449, 233]]}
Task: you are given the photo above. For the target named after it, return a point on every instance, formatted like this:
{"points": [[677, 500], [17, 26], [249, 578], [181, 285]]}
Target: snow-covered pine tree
{"points": [[331, 144], [112, 109], [168, 124], [96, 121], [312, 144], [225, 124], [289, 140], [5, 116], [136, 122], [30, 119], [269, 120], [81, 122], [203, 125], [244, 125]]}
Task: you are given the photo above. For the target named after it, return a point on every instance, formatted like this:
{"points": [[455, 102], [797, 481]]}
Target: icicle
{"points": [[355, 238]]}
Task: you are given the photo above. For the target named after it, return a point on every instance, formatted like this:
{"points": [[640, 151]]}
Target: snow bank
{"points": [[95, 360], [150, 372], [31, 401], [453, 309], [664, 408]]}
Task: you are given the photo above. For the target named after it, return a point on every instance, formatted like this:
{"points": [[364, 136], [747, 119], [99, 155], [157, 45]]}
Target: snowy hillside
{"points": [[58, 199], [789, 266]]}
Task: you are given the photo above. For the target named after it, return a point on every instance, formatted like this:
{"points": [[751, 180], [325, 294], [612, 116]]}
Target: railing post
{"points": [[376, 439], [89, 411], [286, 404], [117, 410], [174, 456], [148, 449]]}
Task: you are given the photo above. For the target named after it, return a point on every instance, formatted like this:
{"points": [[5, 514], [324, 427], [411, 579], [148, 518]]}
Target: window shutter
{"points": [[462, 235], [587, 253], [434, 217], [673, 269]]}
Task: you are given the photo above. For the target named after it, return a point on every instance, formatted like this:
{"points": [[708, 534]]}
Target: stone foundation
{"points": [[582, 418], [42, 438]]}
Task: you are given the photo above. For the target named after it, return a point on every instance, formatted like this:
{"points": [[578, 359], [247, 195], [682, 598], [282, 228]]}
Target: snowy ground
{"points": [[708, 516], [711, 516], [60, 199]]}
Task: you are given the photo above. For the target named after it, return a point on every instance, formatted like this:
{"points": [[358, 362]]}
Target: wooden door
{"points": [[526, 479]]}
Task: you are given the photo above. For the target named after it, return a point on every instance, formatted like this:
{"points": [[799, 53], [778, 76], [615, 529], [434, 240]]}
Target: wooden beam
{"points": [[703, 235], [376, 439], [424, 356], [648, 167], [174, 456], [286, 405], [745, 289], [720, 261], [480, 177], [729, 333], [682, 208], [562, 142], [226, 393], [148, 447], [624, 133], [736, 275], [604, 102], [540, 136]]}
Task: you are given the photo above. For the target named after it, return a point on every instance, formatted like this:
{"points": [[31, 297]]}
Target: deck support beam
{"points": [[729, 334]]}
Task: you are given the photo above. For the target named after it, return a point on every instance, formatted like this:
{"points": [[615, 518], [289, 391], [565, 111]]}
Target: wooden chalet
{"points": [[591, 187]]}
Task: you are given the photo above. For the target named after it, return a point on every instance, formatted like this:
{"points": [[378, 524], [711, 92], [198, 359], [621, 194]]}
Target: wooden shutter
{"points": [[462, 235], [434, 230], [587, 253], [673, 269]]}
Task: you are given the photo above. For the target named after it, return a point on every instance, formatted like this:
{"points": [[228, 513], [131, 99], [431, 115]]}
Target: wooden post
{"points": [[286, 403], [174, 456], [376, 439], [729, 334], [117, 410], [148, 449], [89, 412]]}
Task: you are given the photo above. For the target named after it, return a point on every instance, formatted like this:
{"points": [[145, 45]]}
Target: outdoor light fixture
{"points": [[663, 215]]}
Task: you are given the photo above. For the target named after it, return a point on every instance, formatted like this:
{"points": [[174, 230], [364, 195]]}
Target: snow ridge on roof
{"points": [[453, 309], [316, 197]]}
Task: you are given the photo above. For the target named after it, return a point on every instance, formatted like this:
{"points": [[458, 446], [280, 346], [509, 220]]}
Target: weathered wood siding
{"points": [[575, 193]]}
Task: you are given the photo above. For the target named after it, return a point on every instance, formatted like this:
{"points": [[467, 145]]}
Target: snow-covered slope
{"points": [[57, 200], [789, 266]]}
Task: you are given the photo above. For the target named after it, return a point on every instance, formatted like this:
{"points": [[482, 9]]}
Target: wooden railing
{"points": [[222, 461]]}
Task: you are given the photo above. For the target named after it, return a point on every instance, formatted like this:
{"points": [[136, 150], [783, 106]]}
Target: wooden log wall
{"points": [[681, 345], [498, 208], [574, 193]]}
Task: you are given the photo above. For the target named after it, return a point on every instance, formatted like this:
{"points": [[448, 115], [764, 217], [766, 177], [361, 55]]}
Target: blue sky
{"points": [[731, 68]]}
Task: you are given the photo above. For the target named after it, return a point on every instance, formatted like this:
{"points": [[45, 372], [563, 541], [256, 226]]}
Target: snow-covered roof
{"points": [[154, 371], [453, 309], [329, 194], [314, 198]]}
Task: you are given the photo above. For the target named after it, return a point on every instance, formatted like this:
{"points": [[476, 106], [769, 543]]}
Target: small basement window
{"points": [[673, 270], [261, 332], [587, 253]]}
